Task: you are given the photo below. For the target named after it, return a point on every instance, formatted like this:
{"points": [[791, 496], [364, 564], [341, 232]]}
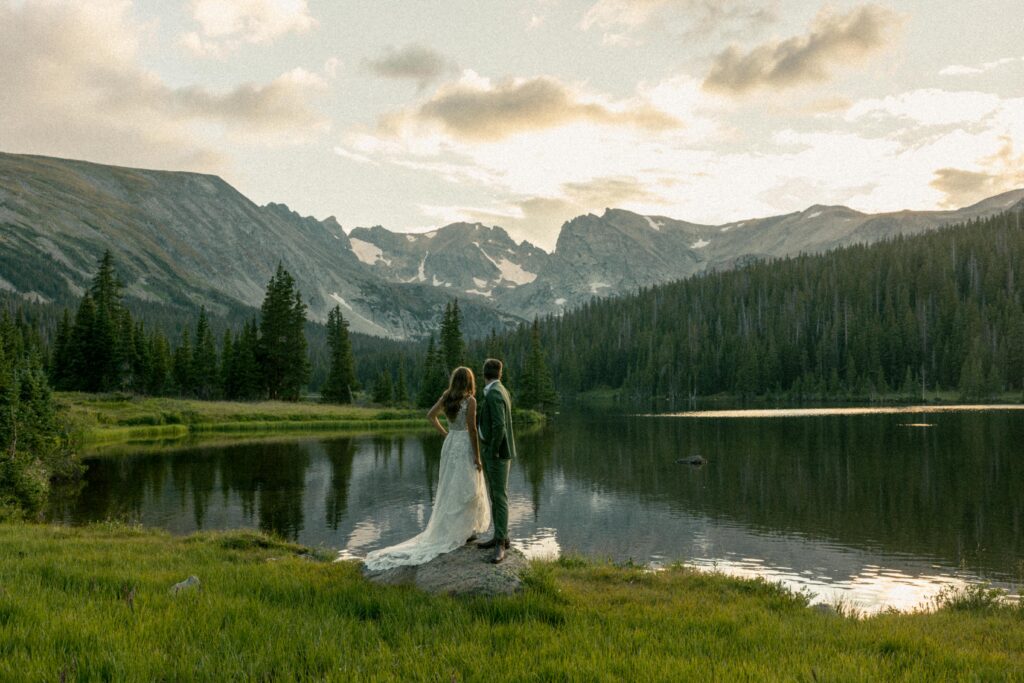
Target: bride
{"points": [[461, 508]]}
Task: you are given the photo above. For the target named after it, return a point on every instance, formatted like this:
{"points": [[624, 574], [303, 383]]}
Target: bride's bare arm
{"points": [[432, 416], [471, 428]]}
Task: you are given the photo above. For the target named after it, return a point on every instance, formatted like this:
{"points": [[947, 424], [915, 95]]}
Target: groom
{"points": [[497, 448]]}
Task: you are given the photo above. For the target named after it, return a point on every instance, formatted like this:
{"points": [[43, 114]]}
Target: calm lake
{"points": [[878, 509]]}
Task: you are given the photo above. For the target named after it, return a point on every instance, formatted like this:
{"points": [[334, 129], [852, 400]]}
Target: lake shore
{"points": [[111, 418], [95, 602]]}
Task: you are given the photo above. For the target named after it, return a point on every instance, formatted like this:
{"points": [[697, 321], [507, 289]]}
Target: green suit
{"points": [[497, 448]]}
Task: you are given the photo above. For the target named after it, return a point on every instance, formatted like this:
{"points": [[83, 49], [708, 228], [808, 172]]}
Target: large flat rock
{"points": [[465, 571]]}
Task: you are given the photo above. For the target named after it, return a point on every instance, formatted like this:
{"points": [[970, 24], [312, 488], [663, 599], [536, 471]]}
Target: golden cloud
{"points": [[484, 112], [833, 39]]}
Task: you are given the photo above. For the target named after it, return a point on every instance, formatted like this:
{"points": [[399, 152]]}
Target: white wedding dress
{"points": [[461, 507]]}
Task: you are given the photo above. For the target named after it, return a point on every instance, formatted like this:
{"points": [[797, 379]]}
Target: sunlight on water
{"points": [[821, 412], [542, 545], [873, 589]]}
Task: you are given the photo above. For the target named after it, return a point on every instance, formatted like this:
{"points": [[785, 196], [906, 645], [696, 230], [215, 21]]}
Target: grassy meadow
{"points": [[105, 418], [93, 603]]}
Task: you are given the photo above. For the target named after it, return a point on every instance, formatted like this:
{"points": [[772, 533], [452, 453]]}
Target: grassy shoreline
{"points": [[112, 418], [94, 603]]}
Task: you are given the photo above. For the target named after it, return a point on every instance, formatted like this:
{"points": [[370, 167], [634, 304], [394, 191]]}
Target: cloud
{"points": [[686, 16], [73, 87], [929, 106], [412, 62], [226, 25], [477, 110], [962, 70], [1000, 172], [833, 39]]}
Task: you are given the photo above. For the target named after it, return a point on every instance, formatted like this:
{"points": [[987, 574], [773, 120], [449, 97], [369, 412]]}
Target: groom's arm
{"points": [[494, 426]]}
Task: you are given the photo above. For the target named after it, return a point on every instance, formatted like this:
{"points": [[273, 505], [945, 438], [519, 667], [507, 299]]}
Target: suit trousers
{"points": [[496, 473]]}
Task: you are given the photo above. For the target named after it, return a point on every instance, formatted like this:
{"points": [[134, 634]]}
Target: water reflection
{"points": [[858, 507]]}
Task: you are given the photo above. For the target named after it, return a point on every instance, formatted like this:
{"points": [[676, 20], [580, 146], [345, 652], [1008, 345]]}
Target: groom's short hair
{"points": [[492, 368]]}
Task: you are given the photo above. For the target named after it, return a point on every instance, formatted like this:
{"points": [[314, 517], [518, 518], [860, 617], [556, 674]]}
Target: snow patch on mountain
{"points": [[700, 243], [655, 225], [511, 272], [421, 274], [353, 313], [477, 291], [814, 215], [595, 287], [368, 253]]}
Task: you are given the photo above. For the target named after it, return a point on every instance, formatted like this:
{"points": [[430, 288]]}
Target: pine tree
{"points": [[434, 380], [453, 346], [204, 359], [282, 341], [61, 361], [247, 372], [401, 390], [83, 375], [383, 392], [107, 351], [228, 377], [183, 379], [495, 349], [142, 360], [537, 389], [341, 378], [158, 382]]}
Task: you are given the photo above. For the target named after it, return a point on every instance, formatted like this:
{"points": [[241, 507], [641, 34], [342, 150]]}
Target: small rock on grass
{"points": [[191, 583]]}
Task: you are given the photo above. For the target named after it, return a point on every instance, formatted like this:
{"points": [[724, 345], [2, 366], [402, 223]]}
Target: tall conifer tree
{"points": [[341, 377], [282, 342], [204, 359]]}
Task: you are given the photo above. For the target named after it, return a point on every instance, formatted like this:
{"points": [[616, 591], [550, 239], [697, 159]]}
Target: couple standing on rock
{"points": [[473, 483]]}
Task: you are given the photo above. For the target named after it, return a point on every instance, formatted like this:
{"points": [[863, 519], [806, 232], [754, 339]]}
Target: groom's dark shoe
{"points": [[499, 553], [487, 545]]}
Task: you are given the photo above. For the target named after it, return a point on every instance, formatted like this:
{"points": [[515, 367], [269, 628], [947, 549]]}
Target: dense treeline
{"points": [[35, 442], [941, 311], [103, 348]]}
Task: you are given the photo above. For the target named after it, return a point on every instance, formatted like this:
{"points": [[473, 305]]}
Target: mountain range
{"points": [[185, 239]]}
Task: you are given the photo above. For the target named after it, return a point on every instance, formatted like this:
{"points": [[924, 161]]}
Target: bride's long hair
{"points": [[461, 385]]}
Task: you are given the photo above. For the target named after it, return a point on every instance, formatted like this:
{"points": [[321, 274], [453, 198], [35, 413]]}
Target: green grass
{"points": [[93, 604], [107, 418]]}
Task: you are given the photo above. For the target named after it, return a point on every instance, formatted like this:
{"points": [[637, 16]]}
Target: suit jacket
{"points": [[494, 424]]}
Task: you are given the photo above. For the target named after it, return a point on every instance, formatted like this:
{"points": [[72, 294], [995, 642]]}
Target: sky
{"points": [[526, 113]]}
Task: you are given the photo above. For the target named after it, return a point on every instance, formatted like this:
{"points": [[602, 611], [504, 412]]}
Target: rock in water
{"points": [[464, 571], [190, 582]]}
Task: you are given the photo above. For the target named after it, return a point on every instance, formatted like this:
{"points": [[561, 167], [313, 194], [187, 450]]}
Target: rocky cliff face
{"points": [[462, 258], [184, 239]]}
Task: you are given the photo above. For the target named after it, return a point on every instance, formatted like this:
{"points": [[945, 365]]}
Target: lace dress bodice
{"points": [[458, 424]]}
